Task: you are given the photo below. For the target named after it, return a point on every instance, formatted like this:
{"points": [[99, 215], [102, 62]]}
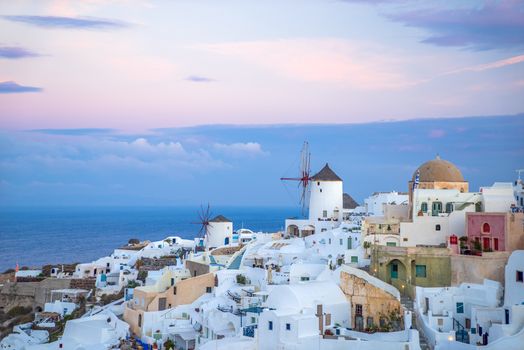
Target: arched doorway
{"points": [[397, 274], [292, 230], [308, 230]]}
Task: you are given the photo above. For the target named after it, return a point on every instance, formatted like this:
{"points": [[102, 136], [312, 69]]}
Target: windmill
{"points": [[304, 176], [204, 217]]}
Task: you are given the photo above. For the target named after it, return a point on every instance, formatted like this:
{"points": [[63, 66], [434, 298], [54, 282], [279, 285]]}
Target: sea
{"points": [[36, 236]]}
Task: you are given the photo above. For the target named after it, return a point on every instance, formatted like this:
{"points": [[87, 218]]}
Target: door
{"points": [[436, 208], [468, 324], [426, 305], [349, 242], [226, 241], [359, 322], [495, 244], [161, 304], [394, 271], [485, 243]]}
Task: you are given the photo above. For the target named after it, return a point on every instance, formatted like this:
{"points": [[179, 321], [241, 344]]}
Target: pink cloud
{"points": [[319, 60], [436, 133]]}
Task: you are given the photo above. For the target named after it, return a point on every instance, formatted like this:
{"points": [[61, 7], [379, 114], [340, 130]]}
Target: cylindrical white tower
{"points": [[219, 232], [326, 196]]}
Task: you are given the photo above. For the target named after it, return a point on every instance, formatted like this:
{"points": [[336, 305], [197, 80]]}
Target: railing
{"points": [[249, 331], [235, 297], [461, 334]]}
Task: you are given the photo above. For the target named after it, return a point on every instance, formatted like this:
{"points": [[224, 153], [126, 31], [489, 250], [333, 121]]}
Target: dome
{"points": [[438, 170]]}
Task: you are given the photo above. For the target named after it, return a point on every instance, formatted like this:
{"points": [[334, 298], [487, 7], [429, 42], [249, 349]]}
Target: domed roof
{"points": [[438, 170]]}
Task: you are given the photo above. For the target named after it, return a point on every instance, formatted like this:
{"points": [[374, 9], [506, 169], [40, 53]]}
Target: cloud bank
{"points": [[10, 87], [68, 22]]}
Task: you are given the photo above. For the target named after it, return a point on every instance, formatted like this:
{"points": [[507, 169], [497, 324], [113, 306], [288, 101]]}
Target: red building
{"points": [[496, 231]]}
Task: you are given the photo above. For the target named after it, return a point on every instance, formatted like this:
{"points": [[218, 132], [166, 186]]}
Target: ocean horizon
{"points": [[36, 236]]}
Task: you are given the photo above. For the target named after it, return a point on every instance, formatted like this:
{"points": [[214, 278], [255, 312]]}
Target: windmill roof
{"points": [[326, 174], [349, 202], [220, 218]]}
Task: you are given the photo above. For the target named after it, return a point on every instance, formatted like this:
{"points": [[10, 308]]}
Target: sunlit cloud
{"points": [[318, 60]]}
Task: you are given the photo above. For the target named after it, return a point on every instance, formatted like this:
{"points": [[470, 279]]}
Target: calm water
{"points": [[37, 236]]}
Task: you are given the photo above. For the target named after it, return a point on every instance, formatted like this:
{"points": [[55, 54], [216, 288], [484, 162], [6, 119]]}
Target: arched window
{"points": [[424, 207], [449, 207], [486, 228]]}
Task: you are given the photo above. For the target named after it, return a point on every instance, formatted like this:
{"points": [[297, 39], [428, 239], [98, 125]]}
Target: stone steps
{"points": [[407, 303]]}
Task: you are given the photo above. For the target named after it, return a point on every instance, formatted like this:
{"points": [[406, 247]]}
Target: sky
{"points": [[173, 102]]}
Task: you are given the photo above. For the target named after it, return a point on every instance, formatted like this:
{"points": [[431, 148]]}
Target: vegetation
{"points": [[109, 298], [367, 245], [241, 279], [169, 345], [133, 241], [19, 311], [142, 275]]}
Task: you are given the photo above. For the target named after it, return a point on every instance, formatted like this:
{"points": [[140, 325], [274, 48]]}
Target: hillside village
{"points": [[439, 266]]}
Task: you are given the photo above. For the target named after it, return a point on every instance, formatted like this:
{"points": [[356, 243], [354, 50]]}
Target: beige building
{"points": [[171, 290], [374, 304]]}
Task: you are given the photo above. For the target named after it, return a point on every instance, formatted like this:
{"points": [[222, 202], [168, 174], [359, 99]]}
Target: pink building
{"points": [[496, 231]]}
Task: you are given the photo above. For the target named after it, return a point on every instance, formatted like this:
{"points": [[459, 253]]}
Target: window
{"points": [[424, 207], [139, 320], [172, 281], [449, 207], [420, 271], [437, 227], [324, 213], [304, 278], [253, 320], [329, 241], [354, 259], [320, 190], [288, 326], [358, 309], [341, 241], [174, 290], [440, 321], [369, 321], [270, 325], [107, 265], [391, 244], [486, 228], [520, 276], [208, 289], [460, 308]]}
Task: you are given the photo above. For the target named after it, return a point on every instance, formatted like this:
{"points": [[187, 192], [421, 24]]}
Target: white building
{"points": [[298, 313], [514, 281], [374, 204], [219, 232], [450, 312]]}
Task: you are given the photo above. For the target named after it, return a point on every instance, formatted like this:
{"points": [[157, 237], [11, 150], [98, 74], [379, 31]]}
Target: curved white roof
{"points": [[307, 295]]}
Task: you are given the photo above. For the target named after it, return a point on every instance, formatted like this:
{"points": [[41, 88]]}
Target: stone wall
{"points": [[474, 269], [376, 303]]}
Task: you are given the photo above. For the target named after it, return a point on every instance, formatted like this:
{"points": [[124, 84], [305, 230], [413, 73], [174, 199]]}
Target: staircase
{"points": [[407, 303]]}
